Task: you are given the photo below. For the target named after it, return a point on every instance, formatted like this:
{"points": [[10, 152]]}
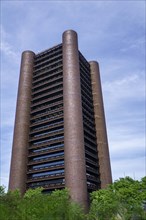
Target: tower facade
{"points": [[60, 137]]}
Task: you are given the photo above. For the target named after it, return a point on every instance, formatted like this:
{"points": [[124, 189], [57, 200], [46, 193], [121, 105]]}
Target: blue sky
{"points": [[111, 32]]}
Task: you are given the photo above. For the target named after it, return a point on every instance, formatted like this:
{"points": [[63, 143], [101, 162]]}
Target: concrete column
{"points": [[75, 169], [21, 130], [101, 133]]}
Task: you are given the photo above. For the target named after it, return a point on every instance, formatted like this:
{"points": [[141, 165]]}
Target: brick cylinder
{"points": [[101, 133], [18, 168], [75, 167]]}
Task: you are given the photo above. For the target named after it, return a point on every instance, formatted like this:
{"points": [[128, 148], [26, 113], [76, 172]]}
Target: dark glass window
{"points": [[48, 173], [48, 156], [49, 164]]}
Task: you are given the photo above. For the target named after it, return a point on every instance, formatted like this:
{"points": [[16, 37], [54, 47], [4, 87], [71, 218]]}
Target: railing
{"points": [[47, 84], [44, 128], [56, 149], [92, 170], [52, 65], [87, 131], [91, 140], [86, 95], [48, 60], [47, 120], [91, 147], [90, 161], [47, 112], [89, 127], [57, 185], [46, 136], [48, 116], [53, 89], [85, 82], [85, 70], [46, 76], [90, 154], [83, 59], [49, 51], [37, 146], [86, 99], [46, 160], [51, 176], [48, 186], [46, 107], [48, 99], [52, 167]]}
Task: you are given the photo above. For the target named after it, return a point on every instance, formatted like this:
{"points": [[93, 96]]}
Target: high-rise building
{"points": [[60, 137]]}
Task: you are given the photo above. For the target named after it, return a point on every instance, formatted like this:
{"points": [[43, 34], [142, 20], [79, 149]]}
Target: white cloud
{"points": [[135, 45], [6, 48], [123, 91]]}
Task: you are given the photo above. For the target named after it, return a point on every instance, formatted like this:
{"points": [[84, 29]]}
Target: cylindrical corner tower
{"points": [[101, 133], [18, 169], [75, 168]]}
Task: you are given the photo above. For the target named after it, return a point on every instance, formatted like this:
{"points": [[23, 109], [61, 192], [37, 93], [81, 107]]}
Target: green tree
{"points": [[32, 205], [9, 205], [61, 208], [2, 191], [35, 205], [123, 200]]}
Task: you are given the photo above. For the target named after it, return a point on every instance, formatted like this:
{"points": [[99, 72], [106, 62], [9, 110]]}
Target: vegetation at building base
{"points": [[125, 199]]}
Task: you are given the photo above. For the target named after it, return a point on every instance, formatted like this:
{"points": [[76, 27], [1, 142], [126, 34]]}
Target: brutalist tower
{"points": [[60, 137]]}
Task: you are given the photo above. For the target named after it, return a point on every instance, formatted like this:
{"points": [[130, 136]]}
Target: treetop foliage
{"points": [[125, 199]]}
